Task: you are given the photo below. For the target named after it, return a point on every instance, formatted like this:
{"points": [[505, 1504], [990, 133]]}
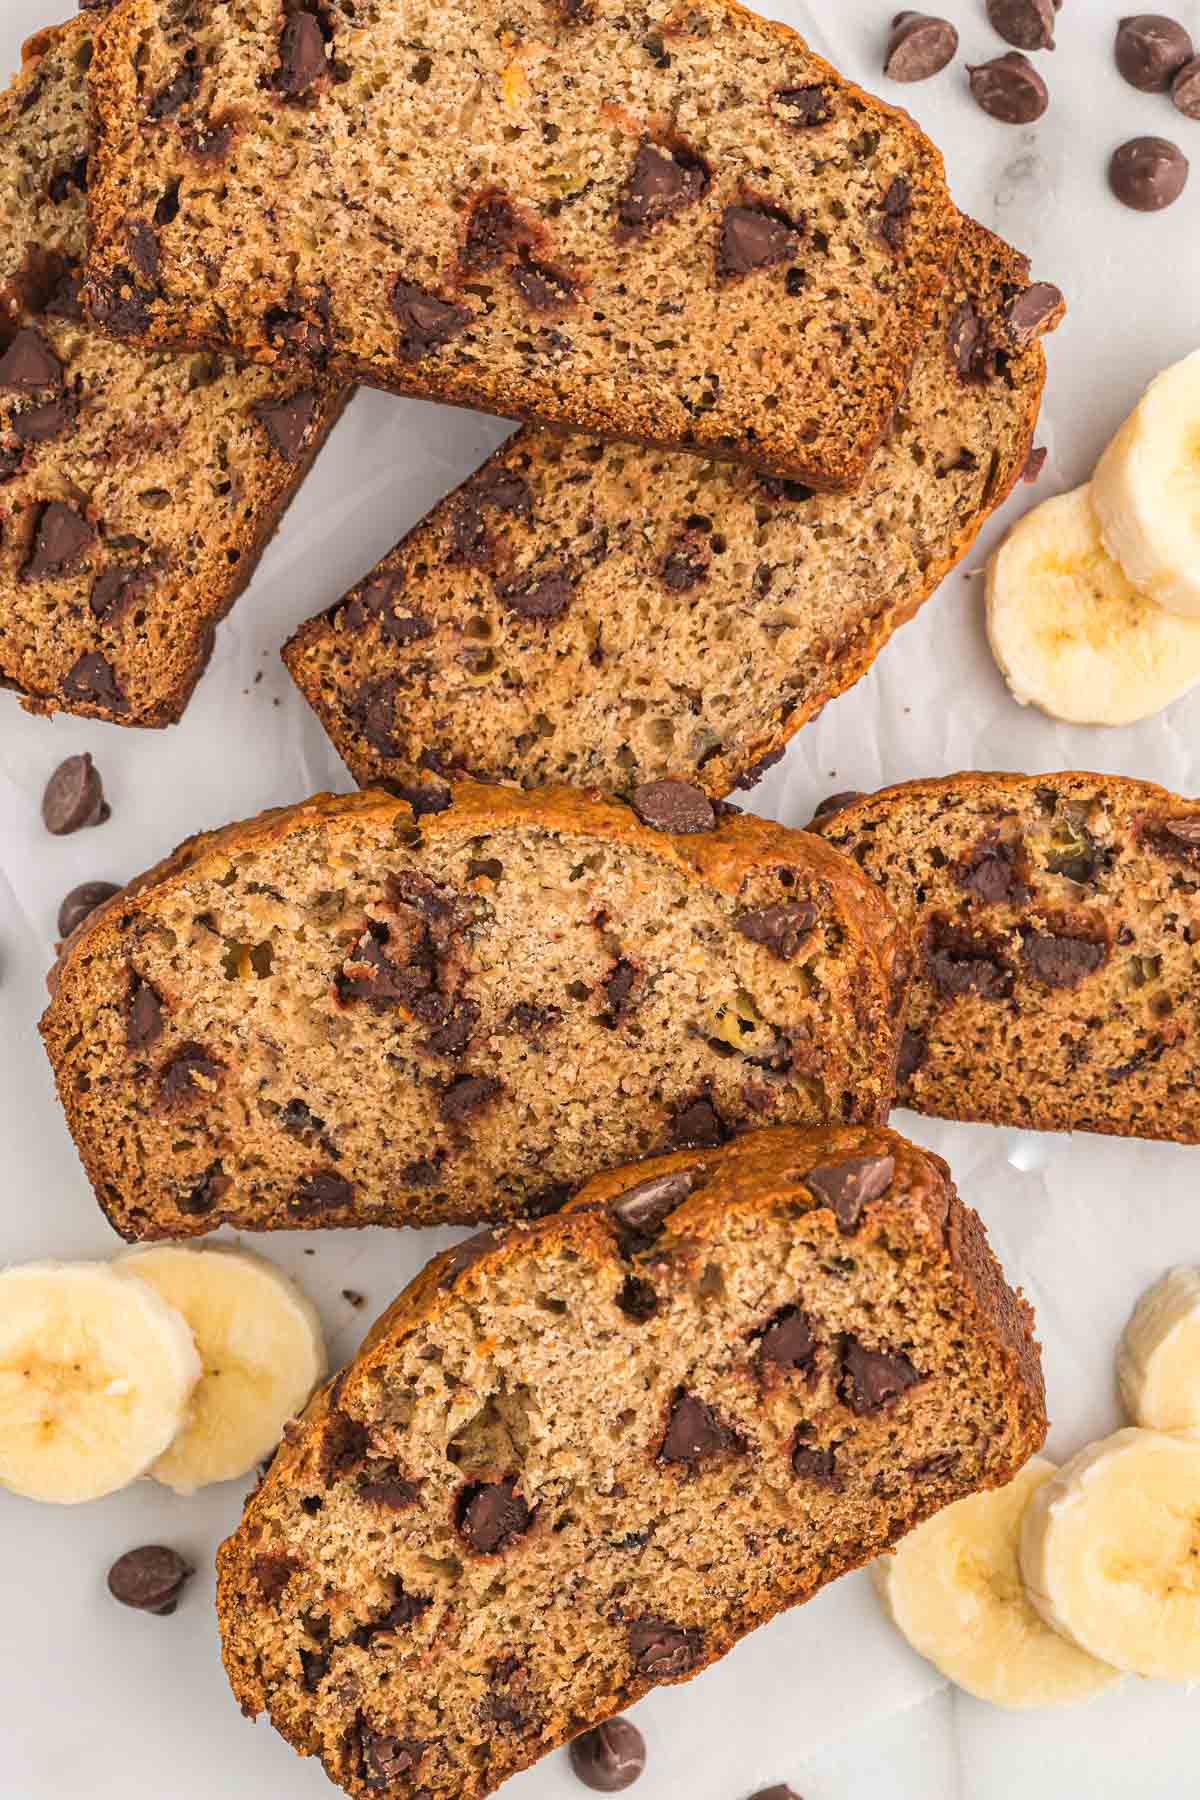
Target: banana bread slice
{"points": [[332, 1016], [600, 614], [1055, 921], [137, 488], [668, 223], [583, 1457]]}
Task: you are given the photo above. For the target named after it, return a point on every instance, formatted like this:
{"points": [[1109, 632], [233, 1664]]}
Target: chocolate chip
{"points": [[610, 1757], [685, 566], [1148, 173], [532, 1021], [1061, 962], [850, 1186], [662, 1650], [494, 228], [804, 108], [754, 237], [321, 1192], [872, 1378], [373, 710], [642, 1209], [781, 928], [637, 1299], [618, 992], [74, 797], [453, 1038], [779, 488], [426, 322], [119, 304], [897, 205], [959, 964], [697, 1125], [787, 1340], [73, 176], [29, 364], [189, 1075], [1029, 24], [929, 1468], [392, 1491], [467, 1254], [144, 1016], [375, 602], [1040, 308], [383, 1756], [534, 596], [1010, 89], [175, 95], [92, 677], [492, 1514], [1185, 89], [468, 1095], [115, 589], [314, 1666], [64, 301], [661, 182], [42, 424], [150, 1579], [920, 46], [694, 1432], [286, 422], [302, 58], [751, 776], [836, 802], [541, 286], [1150, 51], [913, 1051], [404, 1609], [271, 1574], [59, 542], [673, 806], [143, 248], [212, 1186], [992, 873], [1183, 831], [81, 903], [817, 1466]]}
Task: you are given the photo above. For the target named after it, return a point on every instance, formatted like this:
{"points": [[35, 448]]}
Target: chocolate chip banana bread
{"points": [[1056, 923], [584, 1457], [137, 488], [649, 221], [587, 612], [334, 1016]]}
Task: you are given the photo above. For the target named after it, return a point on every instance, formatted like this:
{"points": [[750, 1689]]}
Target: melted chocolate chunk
{"points": [[1061, 961], [644, 1208], [42, 424], [387, 1487], [694, 1433], [787, 1340], [991, 872], [468, 1095], [404, 1609], [181, 88], [29, 364], [685, 565], [373, 710], [673, 806], [322, 1192], [816, 1466], [286, 422], [61, 538], [212, 1187], [913, 1051], [491, 1515], [619, 988], [190, 1075], [971, 350], [849, 1187], [453, 1038], [897, 206], [494, 229], [663, 1651], [873, 1378], [302, 57], [271, 1574], [781, 928], [144, 1016], [541, 286], [804, 108], [114, 590], [958, 964], [537, 596], [382, 1757], [754, 237], [750, 777], [696, 1124], [426, 321], [531, 1021], [637, 1299], [661, 182], [1039, 308]]}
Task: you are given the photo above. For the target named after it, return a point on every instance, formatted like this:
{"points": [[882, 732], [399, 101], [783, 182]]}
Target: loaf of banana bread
{"points": [[674, 224]]}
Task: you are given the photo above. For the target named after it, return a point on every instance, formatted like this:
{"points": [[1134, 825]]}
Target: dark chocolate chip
{"points": [[959, 964], [992, 872], [73, 177], [778, 487], [271, 1574], [119, 305], [537, 596], [74, 797], [29, 364], [971, 349], [81, 903], [642, 1209], [492, 1514], [750, 777], [618, 992], [42, 424], [494, 228], [804, 108], [637, 1299], [787, 1340], [286, 422], [60, 540], [920, 46], [754, 237], [302, 325], [694, 1432], [1029, 24], [1061, 962], [468, 1095], [1039, 308], [849, 1187], [144, 1017], [532, 1021], [189, 1074], [913, 1051], [541, 286], [114, 590], [403, 1610], [673, 806], [314, 1666], [150, 1579], [685, 565], [390, 1490], [1150, 50], [212, 1187], [426, 321], [143, 248], [64, 301], [384, 1757], [175, 95], [781, 928], [467, 1254], [696, 1124], [836, 802], [373, 709], [872, 1378], [931, 1467], [816, 1466], [302, 58], [321, 1192], [610, 1757], [453, 1038], [897, 206], [662, 1650], [1148, 173], [1010, 89], [1185, 89], [661, 182], [92, 677]]}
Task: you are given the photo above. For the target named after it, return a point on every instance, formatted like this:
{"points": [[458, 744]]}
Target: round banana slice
{"points": [[262, 1351], [95, 1376], [1146, 491], [1109, 1552], [1158, 1357], [1070, 633], [954, 1589]]}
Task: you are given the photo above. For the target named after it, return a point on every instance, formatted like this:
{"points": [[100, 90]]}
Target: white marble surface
{"points": [[110, 1705]]}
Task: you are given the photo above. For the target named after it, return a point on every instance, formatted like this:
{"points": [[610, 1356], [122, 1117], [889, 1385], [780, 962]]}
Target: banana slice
{"points": [[1110, 1552], [1146, 491], [260, 1343], [1158, 1357], [954, 1589], [95, 1376], [1070, 633]]}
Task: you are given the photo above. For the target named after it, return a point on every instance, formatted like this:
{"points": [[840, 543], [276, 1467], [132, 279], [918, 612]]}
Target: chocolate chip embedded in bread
{"points": [[970, 344], [662, 1650], [1061, 961], [992, 872], [754, 237], [873, 1378], [206, 1193], [42, 424], [537, 596], [144, 1018], [1029, 24], [694, 1433], [467, 1254], [913, 1051], [781, 928], [787, 1340], [1010, 89], [114, 590], [1040, 308], [271, 1574], [175, 94], [637, 1299], [541, 285], [74, 797], [149, 1579], [29, 364], [959, 964], [920, 45], [1150, 50], [676, 806], [468, 1095], [803, 108], [190, 1075], [492, 1514], [287, 422], [494, 228], [696, 1124], [322, 1192], [897, 206], [426, 321], [836, 802], [1148, 173], [661, 181], [850, 1187], [644, 1208], [302, 57], [81, 903], [816, 1466], [60, 540], [609, 1758], [384, 1756]]}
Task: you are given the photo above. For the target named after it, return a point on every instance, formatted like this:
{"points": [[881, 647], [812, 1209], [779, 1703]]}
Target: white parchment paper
{"points": [[106, 1703]]}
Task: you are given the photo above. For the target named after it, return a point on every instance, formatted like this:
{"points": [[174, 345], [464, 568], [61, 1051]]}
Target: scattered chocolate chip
{"points": [[970, 345], [467, 1254], [849, 1187], [835, 802], [637, 1299], [175, 95], [750, 777], [60, 540], [673, 806], [661, 182], [492, 1514], [754, 237], [426, 322], [541, 286], [642, 1209], [212, 1186], [468, 1095], [1029, 24], [685, 565], [1185, 89], [271, 1574], [787, 1340], [920, 46], [897, 205], [81, 903], [373, 710], [1148, 173], [992, 872], [694, 1432], [391, 1490], [92, 677], [804, 108], [1035, 462], [663, 1651], [314, 1666], [114, 590], [618, 987], [1040, 308], [913, 1051], [302, 58], [1150, 50], [321, 1192], [189, 1074], [697, 1125], [29, 364], [959, 964], [872, 1378], [610, 1757], [144, 1018], [402, 1611], [42, 424], [817, 1466], [781, 928], [383, 1757], [534, 596], [286, 422], [150, 1579], [1061, 962], [1010, 89], [74, 797]]}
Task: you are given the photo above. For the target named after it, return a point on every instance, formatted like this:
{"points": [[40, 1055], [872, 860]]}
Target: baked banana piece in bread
{"points": [[1055, 923], [332, 1015], [583, 1457], [596, 613], [137, 487], [648, 221]]}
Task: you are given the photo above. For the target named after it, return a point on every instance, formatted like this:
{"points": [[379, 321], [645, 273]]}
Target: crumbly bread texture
{"points": [[331, 1016], [654, 222], [585, 1456], [1056, 928], [137, 488], [599, 614]]}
